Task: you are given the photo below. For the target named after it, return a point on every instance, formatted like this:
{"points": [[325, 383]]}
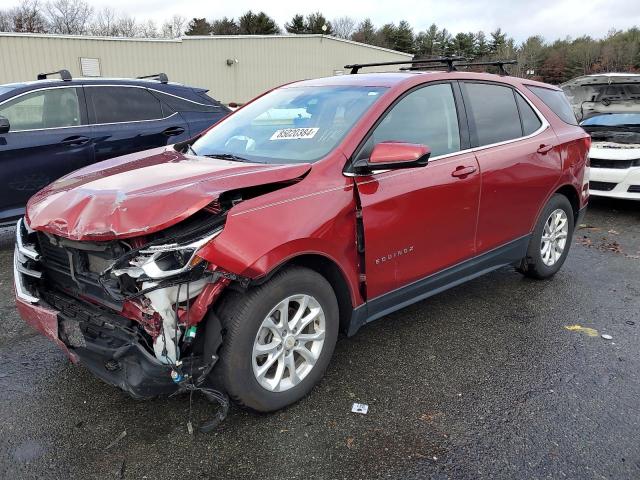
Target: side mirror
{"points": [[394, 155], [4, 125]]}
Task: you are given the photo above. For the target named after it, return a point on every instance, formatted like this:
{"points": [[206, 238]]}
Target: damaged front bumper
{"points": [[117, 349]]}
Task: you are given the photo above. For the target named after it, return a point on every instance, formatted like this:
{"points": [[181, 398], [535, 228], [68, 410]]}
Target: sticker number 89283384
{"points": [[294, 133]]}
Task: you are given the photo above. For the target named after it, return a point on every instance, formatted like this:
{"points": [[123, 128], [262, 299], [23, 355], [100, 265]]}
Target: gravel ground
{"points": [[482, 381]]}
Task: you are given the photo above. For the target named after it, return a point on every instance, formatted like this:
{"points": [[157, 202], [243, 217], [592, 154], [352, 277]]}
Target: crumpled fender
{"points": [[262, 233], [143, 193]]}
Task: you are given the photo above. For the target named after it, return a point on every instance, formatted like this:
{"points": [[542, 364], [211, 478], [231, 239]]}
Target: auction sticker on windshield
{"points": [[294, 133]]}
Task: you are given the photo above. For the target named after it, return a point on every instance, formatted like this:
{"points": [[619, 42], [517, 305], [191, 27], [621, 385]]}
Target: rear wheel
{"points": [[551, 239], [279, 339]]}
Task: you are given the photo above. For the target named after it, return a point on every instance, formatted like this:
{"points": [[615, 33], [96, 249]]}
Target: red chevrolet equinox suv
{"points": [[234, 259]]}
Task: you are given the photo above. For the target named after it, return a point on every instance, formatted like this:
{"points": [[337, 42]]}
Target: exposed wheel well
{"points": [[572, 195]]}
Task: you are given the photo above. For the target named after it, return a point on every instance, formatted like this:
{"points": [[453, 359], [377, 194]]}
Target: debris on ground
{"points": [[362, 408], [590, 332], [117, 439], [604, 245], [606, 336], [350, 442]]}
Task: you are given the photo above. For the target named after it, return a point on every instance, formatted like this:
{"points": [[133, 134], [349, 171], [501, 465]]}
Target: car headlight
{"points": [[161, 261]]}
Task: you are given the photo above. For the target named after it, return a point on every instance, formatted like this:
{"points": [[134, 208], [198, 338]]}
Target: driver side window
{"points": [[425, 116], [51, 108]]}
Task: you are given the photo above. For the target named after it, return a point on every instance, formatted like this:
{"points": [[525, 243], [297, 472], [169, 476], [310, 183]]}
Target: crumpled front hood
{"points": [[143, 193]]}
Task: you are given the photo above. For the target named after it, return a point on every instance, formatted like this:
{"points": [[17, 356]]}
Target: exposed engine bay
{"points": [[158, 281]]}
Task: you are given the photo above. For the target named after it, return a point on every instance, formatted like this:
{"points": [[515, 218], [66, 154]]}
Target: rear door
{"points": [[519, 160], [198, 114], [421, 220], [128, 119], [48, 138]]}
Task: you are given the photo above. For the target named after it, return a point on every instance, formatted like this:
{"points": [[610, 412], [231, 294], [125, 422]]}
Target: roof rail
{"points": [[161, 77], [64, 75], [497, 63], [448, 60]]}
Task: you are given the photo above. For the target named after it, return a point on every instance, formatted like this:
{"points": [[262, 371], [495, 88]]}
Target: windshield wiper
{"points": [[228, 156]]}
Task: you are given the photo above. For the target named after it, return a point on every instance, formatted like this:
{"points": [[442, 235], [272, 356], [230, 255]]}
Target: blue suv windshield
{"points": [[613, 120], [289, 125]]}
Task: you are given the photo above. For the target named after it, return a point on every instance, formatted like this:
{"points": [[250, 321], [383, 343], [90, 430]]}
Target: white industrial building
{"points": [[234, 68]]}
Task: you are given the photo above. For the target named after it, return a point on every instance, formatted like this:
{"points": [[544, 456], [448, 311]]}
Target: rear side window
{"points": [[178, 104], [557, 102], [493, 110], [425, 116], [530, 121], [51, 108], [122, 104]]}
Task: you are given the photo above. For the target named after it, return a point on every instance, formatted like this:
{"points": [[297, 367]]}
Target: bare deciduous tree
{"points": [[127, 26], [105, 22], [148, 29], [343, 27], [28, 17], [174, 27], [68, 16], [6, 21]]}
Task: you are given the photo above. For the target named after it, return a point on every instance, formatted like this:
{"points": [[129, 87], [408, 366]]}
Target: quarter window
{"points": [[425, 116], [557, 101], [52, 108], [177, 104], [122, 104], [530, 121], [493, 110]]}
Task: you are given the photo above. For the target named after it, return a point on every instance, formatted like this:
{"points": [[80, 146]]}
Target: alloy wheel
{"points": [[288, 343], [554, 237]]}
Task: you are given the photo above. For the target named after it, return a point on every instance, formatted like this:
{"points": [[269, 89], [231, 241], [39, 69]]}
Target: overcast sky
{"points": [[519, 18]]}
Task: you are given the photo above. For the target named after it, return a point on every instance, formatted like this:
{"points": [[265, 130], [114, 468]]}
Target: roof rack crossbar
{"points": [[64, 75], [447, 60], [161, 77]]}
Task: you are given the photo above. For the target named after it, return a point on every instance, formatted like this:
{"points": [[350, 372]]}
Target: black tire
{"points": [[533, 265], [242, 316]]}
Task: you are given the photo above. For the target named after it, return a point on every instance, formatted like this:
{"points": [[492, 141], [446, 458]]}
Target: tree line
{"points": [[553, 62]]}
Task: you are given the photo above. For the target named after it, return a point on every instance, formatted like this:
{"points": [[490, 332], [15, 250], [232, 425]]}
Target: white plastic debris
{"points": [[362, 408], [606, 336]]}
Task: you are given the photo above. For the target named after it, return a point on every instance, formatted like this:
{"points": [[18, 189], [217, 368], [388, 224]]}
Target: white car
{"points": [[608, 107]]}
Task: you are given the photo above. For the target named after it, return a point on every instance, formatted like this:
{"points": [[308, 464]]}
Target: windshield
{"points": [[289, 125], [613, 120]]}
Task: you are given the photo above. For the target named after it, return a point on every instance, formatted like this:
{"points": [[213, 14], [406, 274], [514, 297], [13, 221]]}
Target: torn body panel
{"points": [[263, 233]]}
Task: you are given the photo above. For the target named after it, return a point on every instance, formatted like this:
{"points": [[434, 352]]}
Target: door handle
{"points": [[543, 149], [462, 172], [75, 141], [173, 131]]}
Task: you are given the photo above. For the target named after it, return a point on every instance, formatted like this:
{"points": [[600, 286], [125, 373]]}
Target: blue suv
{"points": [[50, 127]]}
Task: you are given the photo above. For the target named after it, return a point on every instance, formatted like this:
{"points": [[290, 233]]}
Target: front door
{"points": [[422, 220], [48, 138]]}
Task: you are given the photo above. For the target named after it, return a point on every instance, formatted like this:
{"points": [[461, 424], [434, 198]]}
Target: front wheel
{"points": [[279, 339], [551, 239]]}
